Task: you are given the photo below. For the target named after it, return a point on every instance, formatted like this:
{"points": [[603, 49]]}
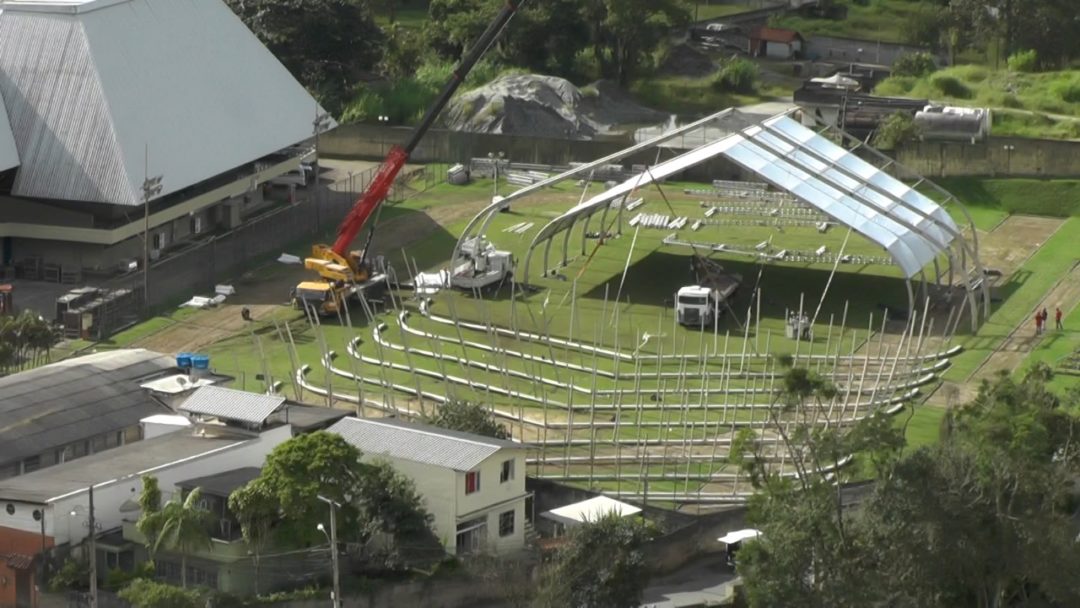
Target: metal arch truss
{"points": [[915, 230]]}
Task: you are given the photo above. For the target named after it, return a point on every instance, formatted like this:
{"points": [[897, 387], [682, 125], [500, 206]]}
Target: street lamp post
{"points": [[151, 188], [320, 124], [332, 537]]}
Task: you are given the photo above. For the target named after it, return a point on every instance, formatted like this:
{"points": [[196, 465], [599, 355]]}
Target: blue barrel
{"points": [[183, 360], [200, 361]]}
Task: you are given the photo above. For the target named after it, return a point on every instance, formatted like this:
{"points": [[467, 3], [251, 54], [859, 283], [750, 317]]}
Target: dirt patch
{"points": [[685, 60], [1014, 240]]}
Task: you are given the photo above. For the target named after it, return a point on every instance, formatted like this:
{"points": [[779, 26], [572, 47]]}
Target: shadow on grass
{"points": [[655, 279]]}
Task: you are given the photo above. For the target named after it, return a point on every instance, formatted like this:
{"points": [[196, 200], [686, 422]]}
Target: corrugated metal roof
{"points": [[73, 400], [231, 404], [90, 87], [222, 484], [9, 154], [131, 459], [419, 442]]}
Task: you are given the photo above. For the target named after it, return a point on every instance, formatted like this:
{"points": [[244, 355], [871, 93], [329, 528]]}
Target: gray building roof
{"points": [[73, 400], [223, 483], [310, 418], [94, 87], [231, 404], [419, 442], [132, 459]]}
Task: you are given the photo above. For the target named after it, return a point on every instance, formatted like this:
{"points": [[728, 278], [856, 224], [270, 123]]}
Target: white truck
{"points": [[701, 305]]}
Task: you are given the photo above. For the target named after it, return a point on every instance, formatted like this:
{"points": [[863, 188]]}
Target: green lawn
{"points": [[1024, 291], [877, 20], [689, 96], [924, 428], [1056, 345], [705, 10], [1000, 197]]}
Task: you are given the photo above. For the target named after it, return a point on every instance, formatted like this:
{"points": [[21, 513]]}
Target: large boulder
{"points": [[536, 105]]}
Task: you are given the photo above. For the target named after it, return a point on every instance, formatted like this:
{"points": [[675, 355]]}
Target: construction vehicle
{"points": [[343, 273], [702, 304]]}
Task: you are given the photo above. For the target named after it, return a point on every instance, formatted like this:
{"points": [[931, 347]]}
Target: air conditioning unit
{"points": [[155, 254]]}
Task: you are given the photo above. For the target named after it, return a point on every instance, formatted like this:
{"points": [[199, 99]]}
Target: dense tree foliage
{"points": [[371, 498], [467, 417], [601, 566], [255, 508], [982, 519], [328, 45], [26, 341]]}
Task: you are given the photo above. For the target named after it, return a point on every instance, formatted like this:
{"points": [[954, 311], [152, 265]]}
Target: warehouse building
{"points": [[102, 97]]}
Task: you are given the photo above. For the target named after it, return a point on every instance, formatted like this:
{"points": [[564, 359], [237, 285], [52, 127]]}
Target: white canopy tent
{"points": [[589, 511], [914, 230]]}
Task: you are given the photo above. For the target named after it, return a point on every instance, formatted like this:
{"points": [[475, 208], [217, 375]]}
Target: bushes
{"points": [[1067, 90], [898, 128], [950, 86], [143, 593], [736, 76], [1024, 61], [914, 64]]}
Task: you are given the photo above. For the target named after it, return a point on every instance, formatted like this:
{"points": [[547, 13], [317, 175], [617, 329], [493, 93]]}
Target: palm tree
{"points": [[180, 526]]}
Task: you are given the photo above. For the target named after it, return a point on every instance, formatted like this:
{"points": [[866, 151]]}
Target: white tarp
{"points": [[739, 535], [589, 510]]}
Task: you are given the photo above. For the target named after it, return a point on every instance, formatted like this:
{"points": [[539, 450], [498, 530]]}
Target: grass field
{"points": [[1025, 291], [876, 20]]}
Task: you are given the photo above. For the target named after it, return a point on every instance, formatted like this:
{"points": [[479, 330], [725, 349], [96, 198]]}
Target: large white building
{"points": [[99, 95], [474, 486]]}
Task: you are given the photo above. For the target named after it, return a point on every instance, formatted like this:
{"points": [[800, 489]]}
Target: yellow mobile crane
{"points": [[343, 273]]}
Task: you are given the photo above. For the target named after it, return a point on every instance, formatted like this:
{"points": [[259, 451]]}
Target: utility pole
{"points": [[151, 188], [93, 552], [336, 597], [321, 122]]}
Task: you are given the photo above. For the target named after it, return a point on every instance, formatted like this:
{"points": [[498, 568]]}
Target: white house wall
{"points": [[443, 492], [436, 486], [109, 496], [509, 495]]}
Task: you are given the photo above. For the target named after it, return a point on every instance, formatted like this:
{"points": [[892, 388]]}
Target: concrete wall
{"points": [[834, 48], [997, 156]]}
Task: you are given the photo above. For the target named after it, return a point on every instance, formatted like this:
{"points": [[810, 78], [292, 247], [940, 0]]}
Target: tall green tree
{"points": [[625, 33], [328, 45], [602, 566], [981, 519], [467, 417], [306, 467], [256, 508], [181, 526]]}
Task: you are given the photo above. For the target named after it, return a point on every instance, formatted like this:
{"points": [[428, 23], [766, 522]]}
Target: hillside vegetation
{"points": [[1045, 104]]}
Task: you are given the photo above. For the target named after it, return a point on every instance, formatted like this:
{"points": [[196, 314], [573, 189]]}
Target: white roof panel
{"points": [[92, 87], [231, 404], [739, 536], [419, 442], [590, 510], [910, 226]]}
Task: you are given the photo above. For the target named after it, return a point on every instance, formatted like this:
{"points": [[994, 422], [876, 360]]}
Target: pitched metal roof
{"points": [[9, 154], [774, 34], [222, 484], [73, 400], [419, 442], [131, 459], [92, 88], [231, 404]]}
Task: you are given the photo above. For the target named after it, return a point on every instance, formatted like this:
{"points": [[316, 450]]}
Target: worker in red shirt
{"points": [[1057, 318], [1038, 322]]}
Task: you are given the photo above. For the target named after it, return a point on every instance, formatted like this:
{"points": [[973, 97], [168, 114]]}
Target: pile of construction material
{"points": [[658, 220]]}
